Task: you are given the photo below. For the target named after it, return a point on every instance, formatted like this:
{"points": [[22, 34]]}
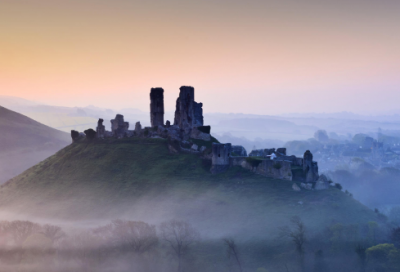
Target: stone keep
{"points": [[188, 113], [220, 157], [310, 167], [157, 107], [101, 129], [118, 126]]}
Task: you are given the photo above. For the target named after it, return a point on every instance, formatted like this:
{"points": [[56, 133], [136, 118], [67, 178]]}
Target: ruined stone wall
{"points": [[220, 157], [275, 169], [238, 161], [157, 107], [267, 168], [118, 126]]}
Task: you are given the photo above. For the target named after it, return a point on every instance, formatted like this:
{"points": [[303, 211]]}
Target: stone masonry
{"points": [[157, 107], [118, 126], [188, 113]]}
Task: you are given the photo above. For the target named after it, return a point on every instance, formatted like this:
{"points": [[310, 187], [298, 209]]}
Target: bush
{"points": [[338, 186]]}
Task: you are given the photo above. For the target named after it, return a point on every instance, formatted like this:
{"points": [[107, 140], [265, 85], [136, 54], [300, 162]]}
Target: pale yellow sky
{"points": [[241, 56]]}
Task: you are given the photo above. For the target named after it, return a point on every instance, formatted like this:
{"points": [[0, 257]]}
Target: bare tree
{"points": [[232, 252], [21, 230], [136, 236], [180, 235], [54, 233], [297, 234]]}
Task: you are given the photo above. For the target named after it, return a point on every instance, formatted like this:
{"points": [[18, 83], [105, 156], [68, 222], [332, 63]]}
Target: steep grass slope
{"points": [[25, 142], [19, 131], [139, 179]]}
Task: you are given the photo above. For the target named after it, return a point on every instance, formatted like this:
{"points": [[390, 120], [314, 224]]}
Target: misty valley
{"points": [[175, 196]]}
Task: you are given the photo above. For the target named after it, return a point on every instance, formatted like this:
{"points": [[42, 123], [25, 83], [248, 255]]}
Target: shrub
{"points": [[338, 186]]}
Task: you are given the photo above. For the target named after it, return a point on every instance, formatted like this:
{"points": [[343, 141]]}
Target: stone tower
{"points": [[101, 129], [188, 113], [220, 157], [157, 107], [310, 167]]}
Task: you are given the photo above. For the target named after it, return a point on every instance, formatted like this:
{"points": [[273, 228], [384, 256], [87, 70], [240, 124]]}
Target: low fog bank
{"points": [[177, 245], [206, 230]]}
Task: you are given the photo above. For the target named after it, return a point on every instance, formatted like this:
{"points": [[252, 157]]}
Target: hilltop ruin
{"points": [[188, 134]]}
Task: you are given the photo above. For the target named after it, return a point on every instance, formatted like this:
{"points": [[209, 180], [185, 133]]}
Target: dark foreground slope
{"points": [[139, 179], [25, 142]]}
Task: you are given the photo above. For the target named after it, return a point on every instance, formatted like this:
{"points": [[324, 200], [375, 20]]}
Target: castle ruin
{"points": [[189, 125]]}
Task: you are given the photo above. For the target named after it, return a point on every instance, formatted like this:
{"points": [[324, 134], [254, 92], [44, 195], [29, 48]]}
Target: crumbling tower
{"points": [[188, 113], [310, 167], [101, 129], [157, 107]]}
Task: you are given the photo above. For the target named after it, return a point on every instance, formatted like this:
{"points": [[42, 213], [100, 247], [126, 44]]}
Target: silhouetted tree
{"points": [[54, 233], [232, 252], [20, 230], [135, 236], [179, 235], [297, 234]]}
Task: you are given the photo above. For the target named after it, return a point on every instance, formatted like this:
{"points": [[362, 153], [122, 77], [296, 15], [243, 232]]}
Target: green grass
{"points": [[139, 178]]}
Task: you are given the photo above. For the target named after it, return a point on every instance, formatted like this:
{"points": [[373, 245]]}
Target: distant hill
{"points": [[140, 179], [25, 142]]}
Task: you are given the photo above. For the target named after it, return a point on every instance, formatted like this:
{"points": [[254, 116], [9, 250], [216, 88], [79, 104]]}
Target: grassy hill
{"points": [[139, 179], [25, 142]]}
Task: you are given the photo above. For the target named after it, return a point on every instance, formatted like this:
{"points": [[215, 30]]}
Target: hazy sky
{"points": [[263, 57]]}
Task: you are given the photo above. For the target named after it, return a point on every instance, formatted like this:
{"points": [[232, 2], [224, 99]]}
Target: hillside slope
{"points": [[25, 142], [140, 179]]}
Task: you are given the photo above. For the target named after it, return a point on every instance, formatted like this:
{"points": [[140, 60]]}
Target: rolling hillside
{"points": [[25, 142], [140, 179]]}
